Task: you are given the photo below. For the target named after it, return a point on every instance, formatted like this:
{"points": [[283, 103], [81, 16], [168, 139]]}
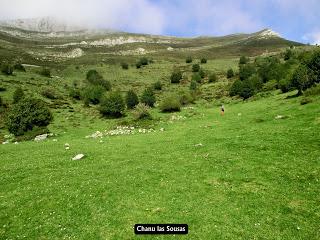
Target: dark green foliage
{"points": [[26, 115], [270, 68], [94, 78], [193, 85], [314, 65], [302, 78], [125, 65], [49, 93], [243, 60], [305, 100], [144, 61], [285, 85], [202, 73], [112, 105], [203, 60], [195, 67], [138, 65], [157, 85], [247, 90], [170, 103], [7, 69], [148, 97], [19, 67], [18, 94], [189, 59], [236, 88], [245, 71], [186, 97], [230, 73], [45, 72], [196, 77], [288, 54], [176, 76], [131, 99], [75, 93], [3, 89], [93, 94], [313, 91], [256, 82], [212, 78]]}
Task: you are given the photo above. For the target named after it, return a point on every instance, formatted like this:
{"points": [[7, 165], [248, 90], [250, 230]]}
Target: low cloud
{"points": [[313, 37]]}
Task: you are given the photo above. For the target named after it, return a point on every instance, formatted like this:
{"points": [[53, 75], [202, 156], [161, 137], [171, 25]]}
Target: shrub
{"points": [[141, 111], [196, 77], [202, 73], [301, 79], [112, 105], [193, 85], [94, 78], [236, 88], [75, 93], [7, 69], [93, 94], [26, 115], [186, 98], [125, 65], [48, 93], [245, 71], [19, 67], [212, 78], [45, 72], [203, 60], [230, 73], [312, 91], [195, 68], [305, 100], [285, 85], [18, 94], [176, 76], [131, 99], [144, 61], [148, 97], [157, 85], [2, 89], [189, 59], [243, 60], [170, 103], [138, 64], [271, 85]]}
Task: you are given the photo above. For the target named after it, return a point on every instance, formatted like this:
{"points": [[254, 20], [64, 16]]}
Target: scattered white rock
{"points": [[170, 49], [239, 114], [6, 142], [279, 117], [78, 156], [16, 142], [161, 129], [177, 118], [55, 140], [67, 148], [67, 145], [97, 134], [41, 137], [198, 145]]}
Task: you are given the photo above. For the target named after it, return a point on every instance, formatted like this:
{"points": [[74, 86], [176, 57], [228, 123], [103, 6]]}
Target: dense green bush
{"points": [[285, 85], [45, 72], [313, 91], [195, 67], [125, 65], [7, 69], [271, 85], [246, 70], [26, 115], [112, 105], [189, 59], [157, 85], [243, 60], [18, 94], [141, 111], [186, 97], [131, 99], [144, 61], [19, 67], [170, 103], [176, 76], [75, 93], [203, 60], [94, 78], [148, 97], [49, 93], [196, 77], [193, 85], [230, 73], [212, 78], [138, 65], [202, 73], [92, 94], [302, 79]]}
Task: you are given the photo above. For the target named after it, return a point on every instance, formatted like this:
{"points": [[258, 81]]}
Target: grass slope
{"points": [[255, 177]]}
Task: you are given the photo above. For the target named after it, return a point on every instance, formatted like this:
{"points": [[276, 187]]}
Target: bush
{"points": [[193, 85], [141, 111], [144, 61], [186, 98], [243, 60], [157, 85], [75, 93], [170, 103], [195, 68], [230, 73], [301, 79], [271, 85], [93, 94], [112, 105], [196, 77], [125, 65], [48, 93], [285, 85], [212, 78], [236, 88], [45, 72], [148, 97], [203, 60], [176, 76], [19, 67], [18, 94], [305, 100], [245, 71], [26, 115], [202, 73], [312, 91], [138, 64], [2, 89], [94, 78], [189, 59], [131, 99], [7, 69]]}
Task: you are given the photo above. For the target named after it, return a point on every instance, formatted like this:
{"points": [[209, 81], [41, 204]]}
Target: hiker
{"points": [[222, 110]]}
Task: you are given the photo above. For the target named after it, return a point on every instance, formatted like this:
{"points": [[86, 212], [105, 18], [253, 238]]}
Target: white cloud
{"points": [[313, 37]]}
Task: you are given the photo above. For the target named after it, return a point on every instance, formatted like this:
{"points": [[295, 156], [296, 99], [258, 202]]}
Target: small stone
{"points": [[41, 137], [6, 142], [161, 129], [55, 140], [198, 145], [67, 148], [78, 156], [16, 143], [67, 145], [239, 114]]}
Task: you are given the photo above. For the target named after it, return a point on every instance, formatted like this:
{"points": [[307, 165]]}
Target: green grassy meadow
{"points": [[245, 175]]}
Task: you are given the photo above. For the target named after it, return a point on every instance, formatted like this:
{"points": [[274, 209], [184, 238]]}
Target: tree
{"points": [[125, 65], [96, 79], [236, 88], [195, 68], [131, 99], [301, 79], [27, 114], [230, 73], [189, 59], [7, 69], [93, 94], [18, 94], [176, 76], [196, 77], [148, 97], [245, 71], [112, 105]]}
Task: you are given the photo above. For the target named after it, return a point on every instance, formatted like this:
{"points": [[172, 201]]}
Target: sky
{"points": [[294, 19]]}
